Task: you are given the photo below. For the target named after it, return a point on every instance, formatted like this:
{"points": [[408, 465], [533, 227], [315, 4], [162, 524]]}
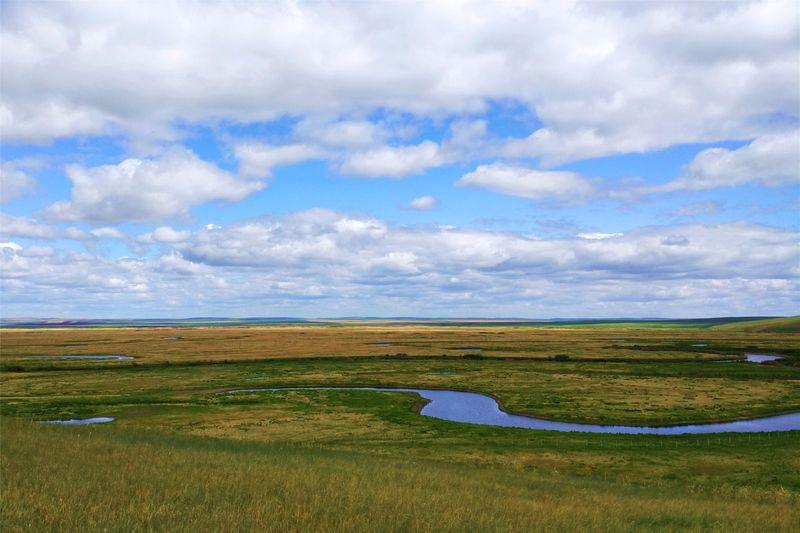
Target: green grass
{"points": [[91, 479], [182, 455], [772, 325], [642, 393]]}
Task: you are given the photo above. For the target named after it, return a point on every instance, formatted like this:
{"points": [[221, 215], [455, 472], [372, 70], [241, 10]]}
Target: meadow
{"points": [[183, 454]]}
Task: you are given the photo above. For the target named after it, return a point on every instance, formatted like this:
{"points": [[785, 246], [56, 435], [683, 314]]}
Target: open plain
{"points": [[364, 460]]}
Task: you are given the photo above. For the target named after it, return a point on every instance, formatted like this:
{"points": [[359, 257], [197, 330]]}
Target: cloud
{"points": [[29, 228], [322, 262], [529, 183], [11, 226], [107, 233], [602, 78], [14, 182], [341, 133], [164, 234], [258, 159], [10, 246], [422, 203], [598, 236], [147, 189], [393, 161], [327, 239], [698, 208], [771, 161]]}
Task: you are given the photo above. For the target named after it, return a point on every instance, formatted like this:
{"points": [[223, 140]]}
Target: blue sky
{"points": [[583, 160]]}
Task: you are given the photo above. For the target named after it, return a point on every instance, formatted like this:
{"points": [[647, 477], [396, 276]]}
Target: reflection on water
{"points": [[474, 408]]}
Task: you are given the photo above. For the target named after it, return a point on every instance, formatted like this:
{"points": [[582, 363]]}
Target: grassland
{"points": [[184, 455]]}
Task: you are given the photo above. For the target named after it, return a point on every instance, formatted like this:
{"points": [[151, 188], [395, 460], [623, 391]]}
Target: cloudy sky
{"points": [[394, 159]]}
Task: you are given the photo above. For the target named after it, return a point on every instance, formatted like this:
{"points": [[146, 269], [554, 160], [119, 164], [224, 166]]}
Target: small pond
{"points": [[94, 357], [761, 357], [81, 421]]}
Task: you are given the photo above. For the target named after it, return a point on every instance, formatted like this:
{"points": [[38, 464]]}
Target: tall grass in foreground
{"points": [[103, 478]]}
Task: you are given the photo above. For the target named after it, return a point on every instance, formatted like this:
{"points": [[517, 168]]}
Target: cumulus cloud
{"points": [[527, 182], [422, 203], [14, 182], [602, 78], [770, 160], [322, 238], [147, 189], [163, 234], [393, 161], [320, 261], [107, 233], [258, 159], [340, 133], [11, 226]]}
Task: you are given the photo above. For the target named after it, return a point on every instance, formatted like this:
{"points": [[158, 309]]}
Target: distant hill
{"points": [[768, 325]]}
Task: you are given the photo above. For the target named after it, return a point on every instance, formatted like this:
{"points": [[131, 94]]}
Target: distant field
{"points": [[772, 325], [323, 460], [234, 343]]}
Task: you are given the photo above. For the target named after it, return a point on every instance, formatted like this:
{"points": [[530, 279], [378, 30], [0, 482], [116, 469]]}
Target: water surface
{"points": [[81, 421], [474, 408], [95, 357], [761, 357]]}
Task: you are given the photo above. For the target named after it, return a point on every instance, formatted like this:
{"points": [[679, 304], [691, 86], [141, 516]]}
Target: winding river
{"points": [[474, 408]]}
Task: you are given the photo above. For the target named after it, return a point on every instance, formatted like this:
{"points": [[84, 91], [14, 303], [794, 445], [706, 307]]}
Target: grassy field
{"points": [[183, 455]]}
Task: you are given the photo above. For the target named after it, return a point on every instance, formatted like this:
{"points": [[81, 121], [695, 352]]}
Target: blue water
{"points": [[96, 357], [474, 408], [81, 421], [761, 357]]}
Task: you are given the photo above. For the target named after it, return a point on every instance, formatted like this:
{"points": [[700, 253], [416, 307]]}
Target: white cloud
{"points": [[14, 182], [258, 159], [10, 246], [107, 233], [147, 189], [771, 160], [422, 203], [164, 234], [321, 262], [602, 78], [393, 161], [694, 209], [11, 226], [29, 228], [341, 134], [528, 182], [598, 236]]}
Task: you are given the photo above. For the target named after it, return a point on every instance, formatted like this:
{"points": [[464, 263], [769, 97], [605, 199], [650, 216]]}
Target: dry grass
{"points": [[265, 342]]}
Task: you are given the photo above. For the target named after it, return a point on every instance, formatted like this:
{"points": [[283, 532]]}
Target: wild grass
{"points": [[93, 479], [220, 344], [182, 455]]}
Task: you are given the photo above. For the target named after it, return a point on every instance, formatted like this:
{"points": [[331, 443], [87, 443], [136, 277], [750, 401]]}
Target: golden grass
{"points": [[265, 342]]}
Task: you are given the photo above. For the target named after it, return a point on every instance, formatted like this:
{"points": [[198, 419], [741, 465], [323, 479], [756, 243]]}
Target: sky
{"points": [[430, 159]]}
